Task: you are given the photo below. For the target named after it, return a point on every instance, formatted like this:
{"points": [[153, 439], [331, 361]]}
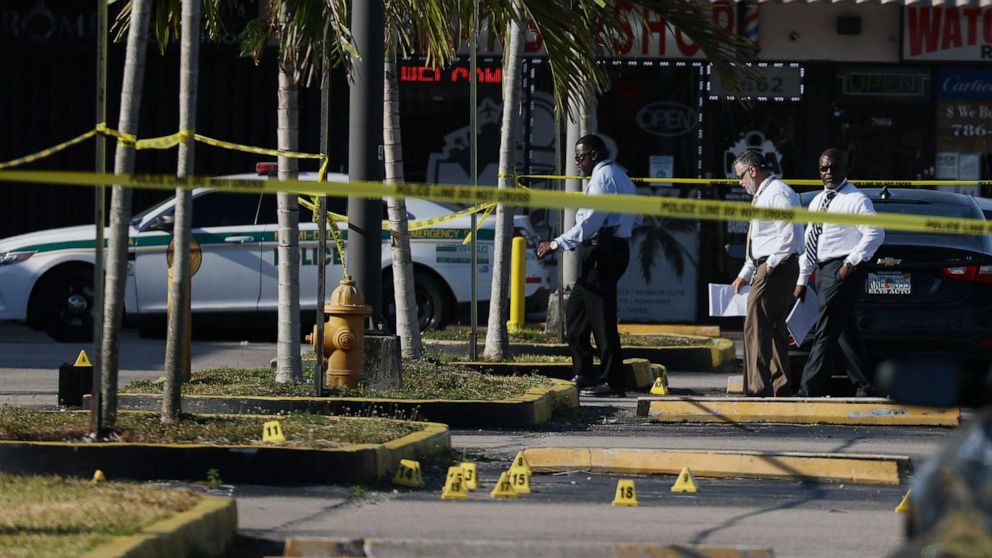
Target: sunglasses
{"points": [[582, 157], [830, 168], [741, 175]]}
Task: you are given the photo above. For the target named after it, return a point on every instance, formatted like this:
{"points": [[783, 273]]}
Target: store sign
{"points": [[780, 82], [666, 119], [947, 33], [964, 115], [907, 85], [656, 38]]}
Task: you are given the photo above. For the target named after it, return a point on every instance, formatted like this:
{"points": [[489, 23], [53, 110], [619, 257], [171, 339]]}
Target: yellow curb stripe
{"points": [[670, 329], [204, 530], [854, 468], [722, 352], [793, 410]]}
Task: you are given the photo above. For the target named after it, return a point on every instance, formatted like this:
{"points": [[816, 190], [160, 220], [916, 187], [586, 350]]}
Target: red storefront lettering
{"points": [[952, 29], [924, 25]]}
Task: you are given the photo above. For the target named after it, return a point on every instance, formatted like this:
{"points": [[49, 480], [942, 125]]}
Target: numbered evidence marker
{"points": [[272, 432], [903, 506], [520, 479], [685, 482], [626, 494], [504, 488], [454, 485], [659, 387], [520, 463], [409, 474], [469, 474]]}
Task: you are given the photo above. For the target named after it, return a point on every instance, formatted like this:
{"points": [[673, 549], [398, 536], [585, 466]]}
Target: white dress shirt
{"points": [[775, 240], [854, 243], [607, 178]]}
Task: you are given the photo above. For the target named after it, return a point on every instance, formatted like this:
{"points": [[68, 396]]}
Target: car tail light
{"points": [[533, 280], [985, 343], [960, 273], [984, 274], [266, 169], [812, 277]]}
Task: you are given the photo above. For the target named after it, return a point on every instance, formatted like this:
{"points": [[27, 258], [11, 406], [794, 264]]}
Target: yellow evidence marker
{"points": [[626, 494], [659, 387], [685, 482], [83, 360], [409, 474], [454, 485], [469, 475], [520, 479], [504, 488], [520, 463], [272, 432], [98, 476], [903, 506]]}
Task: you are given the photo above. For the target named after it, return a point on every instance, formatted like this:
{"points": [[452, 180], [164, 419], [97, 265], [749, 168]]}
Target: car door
{"points": [[269, 300], [229, 276]]}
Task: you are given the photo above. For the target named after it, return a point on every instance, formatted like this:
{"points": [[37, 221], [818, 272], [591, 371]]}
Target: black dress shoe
{"points": [[582, 383], [603, 390]]}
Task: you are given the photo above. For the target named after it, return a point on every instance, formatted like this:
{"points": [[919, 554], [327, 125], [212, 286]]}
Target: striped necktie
{"points": [[814, 238]]}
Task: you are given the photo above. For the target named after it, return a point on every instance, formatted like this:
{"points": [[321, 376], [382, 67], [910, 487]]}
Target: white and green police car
{"points": [[46, 277]]}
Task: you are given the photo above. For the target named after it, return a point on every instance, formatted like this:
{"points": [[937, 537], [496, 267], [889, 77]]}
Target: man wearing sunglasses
{"points": [[835, 253], [603, 242], [771, 267]]}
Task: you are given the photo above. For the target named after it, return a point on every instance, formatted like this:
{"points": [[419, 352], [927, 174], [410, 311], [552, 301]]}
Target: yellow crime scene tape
{"points": [[693, 209], [332, 221], [790, 181]]}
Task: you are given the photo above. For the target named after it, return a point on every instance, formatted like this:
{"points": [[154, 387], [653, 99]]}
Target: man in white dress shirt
{"points": [[835, 253], [771, 267], [603, 241]]}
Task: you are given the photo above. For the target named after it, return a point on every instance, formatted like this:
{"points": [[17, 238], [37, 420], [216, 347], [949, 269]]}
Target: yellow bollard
{"points": [[518, 266]]}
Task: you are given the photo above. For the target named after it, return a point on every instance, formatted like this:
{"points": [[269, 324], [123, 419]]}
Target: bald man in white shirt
{"points": [[835, 253], [771, 267]]}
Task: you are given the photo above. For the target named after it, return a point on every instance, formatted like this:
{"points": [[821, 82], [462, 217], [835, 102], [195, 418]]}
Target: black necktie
{"points": [[813, 239]]}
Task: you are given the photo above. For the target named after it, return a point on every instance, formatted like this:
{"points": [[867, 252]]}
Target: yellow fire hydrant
{"points": [[343, 335]]}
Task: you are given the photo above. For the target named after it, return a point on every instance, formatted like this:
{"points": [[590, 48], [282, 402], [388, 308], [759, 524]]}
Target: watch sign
{"points": [[947, 33]]}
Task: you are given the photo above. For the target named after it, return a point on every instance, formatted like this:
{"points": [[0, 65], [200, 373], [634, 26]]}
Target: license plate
{"points": [[892, 283]]}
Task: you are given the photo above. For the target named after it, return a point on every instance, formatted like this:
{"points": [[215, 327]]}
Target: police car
{"points": [[46, 277]]}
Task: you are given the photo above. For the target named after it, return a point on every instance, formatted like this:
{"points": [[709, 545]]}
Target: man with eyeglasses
{"points": [[835, 253], [771, 267], [603, 242]]}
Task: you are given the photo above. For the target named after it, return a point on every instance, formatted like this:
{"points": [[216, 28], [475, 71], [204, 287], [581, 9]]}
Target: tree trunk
{"points": [[120, 208], [407, 325], [180, 297], [497, 342], [288, 362], [582, 121]]}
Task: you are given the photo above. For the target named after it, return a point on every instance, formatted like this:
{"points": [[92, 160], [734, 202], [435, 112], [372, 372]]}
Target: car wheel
{"points": [[65, 306], [430, 297]]}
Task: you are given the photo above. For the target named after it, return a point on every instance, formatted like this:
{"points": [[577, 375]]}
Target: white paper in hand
{"points": [[724, 302], [803, 316]]}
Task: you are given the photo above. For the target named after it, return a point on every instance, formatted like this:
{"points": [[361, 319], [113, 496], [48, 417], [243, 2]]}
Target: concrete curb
{"points": [[711, 357], [817, 467], [535, 407], [640, 377], [354, 464], [670, 329], [204, 530], [793, 410], [550, 549]]}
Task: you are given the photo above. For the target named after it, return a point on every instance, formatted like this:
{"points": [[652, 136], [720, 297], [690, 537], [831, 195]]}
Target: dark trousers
{"points": [[592, 309], [836, 333]]}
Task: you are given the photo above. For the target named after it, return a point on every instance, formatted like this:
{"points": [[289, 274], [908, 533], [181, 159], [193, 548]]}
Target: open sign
{"points": [[666, 119]]}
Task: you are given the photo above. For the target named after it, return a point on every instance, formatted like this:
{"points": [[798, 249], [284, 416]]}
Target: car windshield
{"points": [[925, 208], [137, 219], [932, 209]]}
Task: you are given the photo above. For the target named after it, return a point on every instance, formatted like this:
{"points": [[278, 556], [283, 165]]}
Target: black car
{"points": [[925, 295]]}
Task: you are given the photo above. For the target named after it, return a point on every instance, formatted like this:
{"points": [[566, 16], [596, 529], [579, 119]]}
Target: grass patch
{"points": [[301, 430], [460, 333], [45, 516], [435, 376]]}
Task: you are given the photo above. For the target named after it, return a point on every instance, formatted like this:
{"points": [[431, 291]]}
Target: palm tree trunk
{"points": [[497, 342], [120, 208], [288, 362], [582, 121], [176, 355], [407, 325]]}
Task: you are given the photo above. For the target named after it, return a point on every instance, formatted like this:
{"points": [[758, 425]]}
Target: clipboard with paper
{"points": [[803, 316]]}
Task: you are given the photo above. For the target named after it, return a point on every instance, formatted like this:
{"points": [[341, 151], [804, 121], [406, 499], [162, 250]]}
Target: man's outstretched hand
{"points": [[543, 249]]}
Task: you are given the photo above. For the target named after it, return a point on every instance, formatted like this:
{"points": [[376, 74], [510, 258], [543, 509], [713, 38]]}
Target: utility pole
{"points": [[365, 153]]}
